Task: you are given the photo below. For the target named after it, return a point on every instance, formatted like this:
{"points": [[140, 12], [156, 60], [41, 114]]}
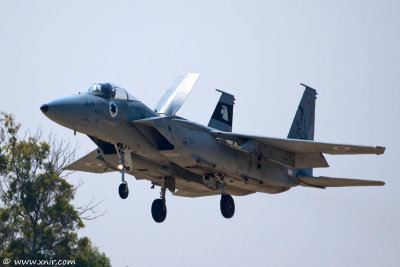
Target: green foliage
{"points": [[88, 254], [37, 219]]}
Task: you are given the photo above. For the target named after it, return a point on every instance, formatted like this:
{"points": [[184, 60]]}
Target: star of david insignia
{"points": [[113, 109]]}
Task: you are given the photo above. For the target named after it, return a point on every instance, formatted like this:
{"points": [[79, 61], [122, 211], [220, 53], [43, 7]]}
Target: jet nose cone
{"points": [[44, 108], [69, 111]]}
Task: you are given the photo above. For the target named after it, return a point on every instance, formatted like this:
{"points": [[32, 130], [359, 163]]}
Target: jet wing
{"points": [[322, 182], [302, 146], [92, 162], [176, 94]]}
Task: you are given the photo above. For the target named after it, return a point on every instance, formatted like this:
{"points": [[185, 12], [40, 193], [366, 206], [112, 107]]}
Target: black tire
{"points": [[123, 190], [159, 210], [227, 206]]}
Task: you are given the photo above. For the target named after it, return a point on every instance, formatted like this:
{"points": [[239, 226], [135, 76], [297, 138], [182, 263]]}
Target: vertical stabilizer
{"points": [[222, 116], [303, 122]]}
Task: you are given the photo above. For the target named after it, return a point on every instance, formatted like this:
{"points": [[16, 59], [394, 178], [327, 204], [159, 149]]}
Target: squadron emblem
{"points": [[224, 113]]}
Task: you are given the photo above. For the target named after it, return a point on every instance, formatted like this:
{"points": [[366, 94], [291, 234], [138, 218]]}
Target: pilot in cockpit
{"points": [[105, 90], [108, 90]]}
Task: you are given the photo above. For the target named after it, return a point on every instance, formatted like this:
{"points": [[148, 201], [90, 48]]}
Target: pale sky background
{"points": [[259, 51]]}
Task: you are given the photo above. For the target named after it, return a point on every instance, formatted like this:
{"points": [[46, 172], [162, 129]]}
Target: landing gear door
{"points": [[210, 181], [125, 157], [128, 160]]}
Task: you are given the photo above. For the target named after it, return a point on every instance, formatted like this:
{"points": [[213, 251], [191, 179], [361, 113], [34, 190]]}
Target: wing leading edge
{"points": [[302, 146]]}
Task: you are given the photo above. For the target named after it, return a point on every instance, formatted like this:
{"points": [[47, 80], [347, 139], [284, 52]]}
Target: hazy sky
{"points": [[259, 51]]}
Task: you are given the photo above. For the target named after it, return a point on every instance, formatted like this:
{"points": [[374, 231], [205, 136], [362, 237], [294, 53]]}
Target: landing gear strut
{"points": [[227, 204], [158, 208], [123, 189]]}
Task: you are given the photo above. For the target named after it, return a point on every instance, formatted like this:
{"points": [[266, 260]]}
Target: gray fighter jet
{"points": [[190, 159]]}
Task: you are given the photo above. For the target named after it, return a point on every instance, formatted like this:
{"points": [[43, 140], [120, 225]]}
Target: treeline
{"points": [[37, 219]]}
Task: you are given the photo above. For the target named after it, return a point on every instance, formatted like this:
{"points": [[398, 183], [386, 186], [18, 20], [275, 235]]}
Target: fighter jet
{"points": [[190, 159]]}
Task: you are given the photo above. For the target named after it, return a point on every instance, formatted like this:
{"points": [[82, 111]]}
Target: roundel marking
{"points": [[93, 164], [341, 148], [112, 107]]}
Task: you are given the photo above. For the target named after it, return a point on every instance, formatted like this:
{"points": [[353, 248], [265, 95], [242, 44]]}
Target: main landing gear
{"points": [[227, 204], [158, 208]]}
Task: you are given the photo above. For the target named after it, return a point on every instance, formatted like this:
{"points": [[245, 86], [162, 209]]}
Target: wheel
{"points": [[123, 190], [227, 206], [159, 210]]}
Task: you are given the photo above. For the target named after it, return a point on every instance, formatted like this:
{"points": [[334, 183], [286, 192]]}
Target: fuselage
{"points": [[169, 141]]}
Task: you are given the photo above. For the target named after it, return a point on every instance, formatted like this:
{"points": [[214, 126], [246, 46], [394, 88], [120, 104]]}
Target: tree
{"points": [[37, 219]]}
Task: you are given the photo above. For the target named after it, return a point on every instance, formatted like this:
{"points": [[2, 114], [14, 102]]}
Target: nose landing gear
{"points": [[123, 189]]}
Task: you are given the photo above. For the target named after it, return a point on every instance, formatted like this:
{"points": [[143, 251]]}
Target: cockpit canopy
{"points": [[108, 90]]}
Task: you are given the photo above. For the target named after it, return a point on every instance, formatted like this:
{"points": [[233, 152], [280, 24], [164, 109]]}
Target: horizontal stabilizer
{"points": [[322, 182]]}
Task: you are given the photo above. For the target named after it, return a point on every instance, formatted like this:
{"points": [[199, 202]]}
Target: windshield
{"points": [[108, 90]]}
